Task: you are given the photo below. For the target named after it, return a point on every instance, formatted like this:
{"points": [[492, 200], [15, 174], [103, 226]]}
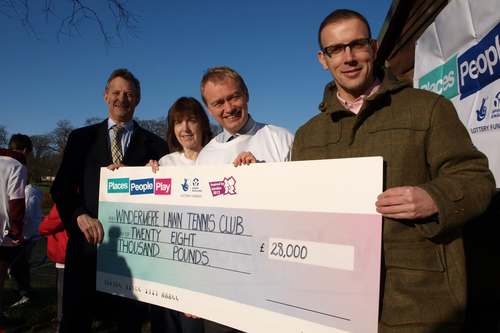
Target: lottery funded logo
{"points": [[118, 185], [185, 185], [142, 186], [191, 187], [223, 187], [163, 186], [481, 113]]}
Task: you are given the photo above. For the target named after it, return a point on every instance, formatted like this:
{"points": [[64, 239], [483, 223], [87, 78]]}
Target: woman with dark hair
{"points": [[188, 132]]}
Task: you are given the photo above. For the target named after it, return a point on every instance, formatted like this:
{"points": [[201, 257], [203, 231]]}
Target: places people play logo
{"points": [[223, 187], [142, 186], [163, 186], [118, 185]]}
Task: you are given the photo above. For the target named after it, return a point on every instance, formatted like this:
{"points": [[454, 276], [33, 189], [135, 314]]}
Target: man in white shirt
{"points": [[243, 140]]}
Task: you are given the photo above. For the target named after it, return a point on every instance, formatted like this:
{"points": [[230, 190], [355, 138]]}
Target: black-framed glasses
{"points": [[357, 45]]}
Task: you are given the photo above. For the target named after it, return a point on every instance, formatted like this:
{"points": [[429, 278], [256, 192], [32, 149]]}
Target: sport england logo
{"points": [[495, 112], [163, 186], [142, 186], [481, 113], [118, 185], [223, 187], [496, 101], [195, 185]]}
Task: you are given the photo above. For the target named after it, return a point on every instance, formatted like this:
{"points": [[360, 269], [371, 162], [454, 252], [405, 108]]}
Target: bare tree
{"points": [[59, 136], [156, 126], [162, 127], [40, 161], [216, 128], [93, 121], [3, 136], [71, 13]]}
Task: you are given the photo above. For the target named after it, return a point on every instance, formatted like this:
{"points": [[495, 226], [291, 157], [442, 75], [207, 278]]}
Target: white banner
{"points": [[458, 56]]}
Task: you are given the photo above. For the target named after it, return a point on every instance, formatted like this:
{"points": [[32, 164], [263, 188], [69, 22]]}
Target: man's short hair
{"points": [[342, 15], [186, 107], [127, 75], [218, 76], [19, 142]]}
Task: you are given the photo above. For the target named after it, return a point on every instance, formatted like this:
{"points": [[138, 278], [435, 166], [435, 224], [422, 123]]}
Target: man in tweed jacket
{"points": [[435, 179]]}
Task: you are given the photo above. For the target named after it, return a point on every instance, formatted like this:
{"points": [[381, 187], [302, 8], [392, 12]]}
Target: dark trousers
{"points": [[19, 273], [164, 320], [212, 327], [82, 303], [60, 284]]}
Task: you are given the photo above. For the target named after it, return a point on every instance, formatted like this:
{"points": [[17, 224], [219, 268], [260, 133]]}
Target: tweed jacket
{"points": [[423, 143]]}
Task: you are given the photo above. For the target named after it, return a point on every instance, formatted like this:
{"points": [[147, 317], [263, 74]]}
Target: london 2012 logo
{"points": [[223, 187], [481, 113]]}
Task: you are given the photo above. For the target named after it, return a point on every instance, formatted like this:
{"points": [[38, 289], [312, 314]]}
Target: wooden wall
{"points": [[406, 22]]}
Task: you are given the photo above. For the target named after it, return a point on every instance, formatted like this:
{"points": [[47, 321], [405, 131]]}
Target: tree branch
{"points": [[78, 12]]}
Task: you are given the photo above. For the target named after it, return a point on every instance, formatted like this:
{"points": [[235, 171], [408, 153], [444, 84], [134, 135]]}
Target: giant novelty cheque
{"points": [[270, 247], [458, 56]]}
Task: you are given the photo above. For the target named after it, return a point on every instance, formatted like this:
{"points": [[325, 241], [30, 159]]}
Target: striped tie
{"points": [[116, 145]]}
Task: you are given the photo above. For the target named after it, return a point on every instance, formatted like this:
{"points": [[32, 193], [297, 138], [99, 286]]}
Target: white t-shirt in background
{"points": [[13, 179]]}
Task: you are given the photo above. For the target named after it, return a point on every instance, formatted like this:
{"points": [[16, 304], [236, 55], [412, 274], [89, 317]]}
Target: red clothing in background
{"points": [[57, 238]]}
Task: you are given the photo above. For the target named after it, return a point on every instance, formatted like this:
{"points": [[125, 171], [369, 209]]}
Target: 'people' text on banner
{"points": [[458, 56]]}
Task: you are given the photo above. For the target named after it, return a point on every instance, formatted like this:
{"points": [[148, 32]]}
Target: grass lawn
{"points": [[32, 318], [46, 191], [42, 317]]}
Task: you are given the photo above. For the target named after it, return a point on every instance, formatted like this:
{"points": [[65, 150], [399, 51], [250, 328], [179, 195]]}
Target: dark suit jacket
{"points": [[76, 188]]}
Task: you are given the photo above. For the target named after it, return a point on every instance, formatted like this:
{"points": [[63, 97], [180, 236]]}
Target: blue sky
{"points": [[272, 44]]}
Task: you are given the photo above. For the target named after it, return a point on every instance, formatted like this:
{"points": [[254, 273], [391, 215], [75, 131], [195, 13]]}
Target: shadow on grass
{"points": [[42, 317], [31, 318]]}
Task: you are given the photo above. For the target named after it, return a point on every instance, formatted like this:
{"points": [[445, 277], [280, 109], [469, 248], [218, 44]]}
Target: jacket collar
{"points": [[13, 154], [390, 83]]}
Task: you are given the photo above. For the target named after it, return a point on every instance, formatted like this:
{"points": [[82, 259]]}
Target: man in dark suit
{"points": [[117, 140]]}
